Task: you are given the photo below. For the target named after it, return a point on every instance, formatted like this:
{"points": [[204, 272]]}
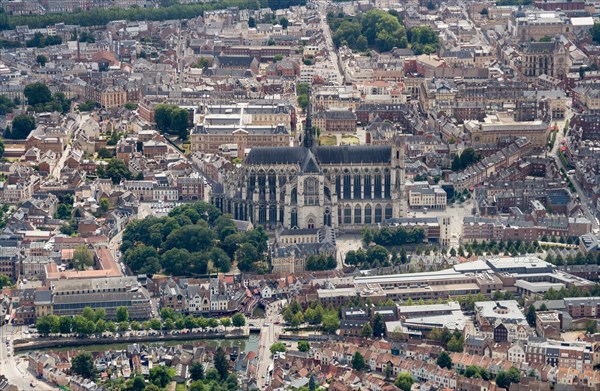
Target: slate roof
{"points": [[540, 47], [235, 61], [346, 154]]}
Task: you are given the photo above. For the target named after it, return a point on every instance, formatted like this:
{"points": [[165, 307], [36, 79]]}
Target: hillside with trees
{"points": [[169, 11], [194, 239]]}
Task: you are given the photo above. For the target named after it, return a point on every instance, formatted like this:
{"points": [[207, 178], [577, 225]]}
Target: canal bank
{"points": [[250, 341]]}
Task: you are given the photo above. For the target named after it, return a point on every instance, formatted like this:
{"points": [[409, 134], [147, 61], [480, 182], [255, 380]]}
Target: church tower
{"points": [[308, 130], [398, 160]]}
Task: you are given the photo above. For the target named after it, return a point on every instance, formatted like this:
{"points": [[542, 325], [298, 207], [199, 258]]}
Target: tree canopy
{"points": [[467, 157], [173, 10], [6, 105], [22, 125], [82, 257], [116, 170], [404, 381], [37, 93], [83, 365], [376, 29], [172, 119], [193, 240]]}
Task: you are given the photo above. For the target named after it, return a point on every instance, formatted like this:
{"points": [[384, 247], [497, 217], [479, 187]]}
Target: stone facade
{"points": [[310, 186]]}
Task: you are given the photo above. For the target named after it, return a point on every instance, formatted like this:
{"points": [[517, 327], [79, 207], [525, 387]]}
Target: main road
{"points": [[270, 331], [15, 368]]}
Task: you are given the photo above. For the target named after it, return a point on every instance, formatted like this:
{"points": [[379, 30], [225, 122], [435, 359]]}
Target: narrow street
{"points": [[554, 153], [333, 57], [72, 132]]}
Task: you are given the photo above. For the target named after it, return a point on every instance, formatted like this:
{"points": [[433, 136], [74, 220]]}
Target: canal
{"points": [[249, 344]]}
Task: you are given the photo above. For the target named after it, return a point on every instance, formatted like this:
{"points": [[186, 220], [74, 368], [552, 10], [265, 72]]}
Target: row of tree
{"points": [[98, 17], [315, 314], [579, 259], [193, 240], [95, 322], [553, 294], [320, 262]]}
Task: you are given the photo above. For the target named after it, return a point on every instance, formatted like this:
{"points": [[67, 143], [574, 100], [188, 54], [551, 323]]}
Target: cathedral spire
{"points": [[308, 130]]}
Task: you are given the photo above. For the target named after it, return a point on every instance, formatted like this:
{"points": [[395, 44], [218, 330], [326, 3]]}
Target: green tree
{"points": [[591, 326], [65, 325], [22, 125], [366, 331], [138, 383], [116, 170], [6, 105], [83, 365], [362, 44], [303, 101], [82, 258], [88, 313], [122, 314], [378, 326], [444, 360], [297, 320], [246, 255], [225, 322], [180, 122], [221, 363], [104, 204], [284, 22], [595, 32], [330, 322], [531, 315], [303, 346], [4, 281], [161, 375], [251, 22], [278, 347], [104, 153], [43, 325], [404, 381], [37, 93], [238, 320], [196, 371], [41, 59], [155, 324], [358, 361], [456, 344], [143, 259]]}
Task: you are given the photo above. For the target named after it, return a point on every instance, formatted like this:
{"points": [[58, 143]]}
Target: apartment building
{"points": [[338, 121]]}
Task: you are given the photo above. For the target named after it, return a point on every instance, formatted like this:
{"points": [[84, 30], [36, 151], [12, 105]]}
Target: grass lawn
{"points": [[328, 140], [349, 140], [180, 387]]}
